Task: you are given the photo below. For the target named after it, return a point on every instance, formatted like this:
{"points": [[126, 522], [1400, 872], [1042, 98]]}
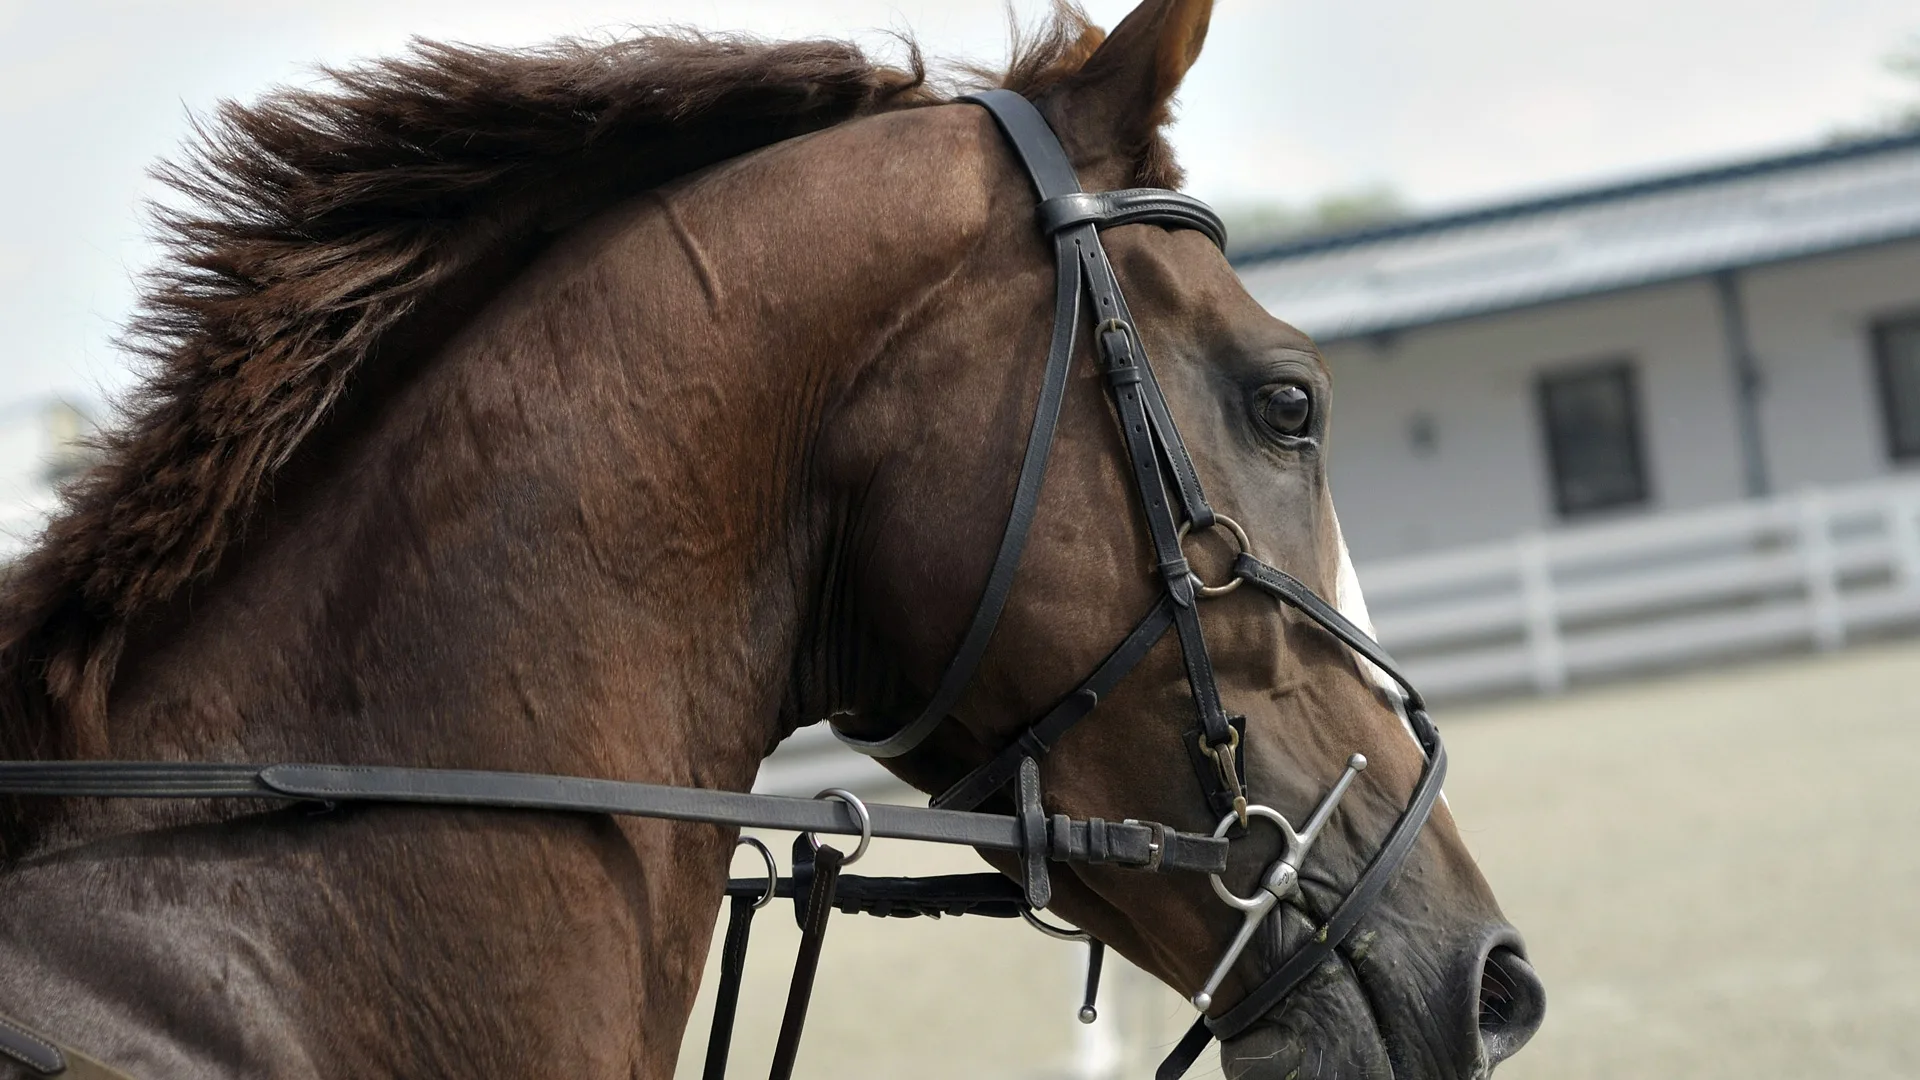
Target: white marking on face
{"points": [[1349, 602]]}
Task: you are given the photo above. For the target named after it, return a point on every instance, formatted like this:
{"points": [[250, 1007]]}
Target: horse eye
{"points": [[1287, 408]]}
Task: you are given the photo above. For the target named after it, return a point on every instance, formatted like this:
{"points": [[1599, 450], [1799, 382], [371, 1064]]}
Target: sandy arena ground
{"points": [[1718, 876]]}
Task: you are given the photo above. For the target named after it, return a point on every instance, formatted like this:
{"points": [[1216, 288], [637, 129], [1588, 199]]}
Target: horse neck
{"points": [[568, 544], [599, 529]]}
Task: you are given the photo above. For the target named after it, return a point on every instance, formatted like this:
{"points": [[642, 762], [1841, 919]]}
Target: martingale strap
{"points": [[726, 1000], [826, 863]]}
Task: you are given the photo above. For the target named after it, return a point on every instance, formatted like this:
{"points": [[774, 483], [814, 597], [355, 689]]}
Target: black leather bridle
{"points": [[1173, 504]]}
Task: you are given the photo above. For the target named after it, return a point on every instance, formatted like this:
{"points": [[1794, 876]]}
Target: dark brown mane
{"points": [[319, 225]]}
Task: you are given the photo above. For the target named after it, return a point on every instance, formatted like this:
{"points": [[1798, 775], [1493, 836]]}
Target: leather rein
{"points": [[1072, 219]]}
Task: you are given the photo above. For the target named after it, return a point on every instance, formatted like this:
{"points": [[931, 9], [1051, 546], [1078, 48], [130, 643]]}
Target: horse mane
{"points": [[318, 225]]}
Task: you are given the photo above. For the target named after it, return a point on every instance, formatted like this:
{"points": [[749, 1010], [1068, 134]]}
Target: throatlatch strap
{"points": [[1072, 218], [813, 933], [726, 1002], [1051, 175]]}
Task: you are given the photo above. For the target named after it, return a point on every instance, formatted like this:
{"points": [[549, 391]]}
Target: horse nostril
{"points": [[1512, 1003]]}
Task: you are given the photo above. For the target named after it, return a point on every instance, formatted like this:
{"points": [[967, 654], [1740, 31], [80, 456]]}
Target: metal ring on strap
{"points": [[1220, 887], [773, 870], [1034, 920], [1239, 537], [860, 814]]}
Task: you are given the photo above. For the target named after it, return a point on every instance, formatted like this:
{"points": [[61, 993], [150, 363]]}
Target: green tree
{"points": [[1258, 224]]}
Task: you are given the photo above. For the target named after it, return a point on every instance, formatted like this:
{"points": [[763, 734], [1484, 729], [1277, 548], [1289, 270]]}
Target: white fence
{"points": [[1807, 570]]}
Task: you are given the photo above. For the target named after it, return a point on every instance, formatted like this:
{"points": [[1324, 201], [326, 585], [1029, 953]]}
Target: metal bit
{"points": [[1281, 879]]}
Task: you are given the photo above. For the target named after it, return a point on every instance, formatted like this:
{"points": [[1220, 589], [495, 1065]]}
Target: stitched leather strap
{"points": [[42, 1056], [991, 896], [133, 780], [726, 1001], [1133, 206], [1138, 844], [1034, 879], [27, 1048], [813, 934]]}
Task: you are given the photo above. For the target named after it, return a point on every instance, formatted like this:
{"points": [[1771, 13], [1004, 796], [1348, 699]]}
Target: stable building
{"points": [[1620, 351]]}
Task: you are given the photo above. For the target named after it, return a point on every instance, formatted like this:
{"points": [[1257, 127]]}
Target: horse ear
{"points": [[1121, 95]]}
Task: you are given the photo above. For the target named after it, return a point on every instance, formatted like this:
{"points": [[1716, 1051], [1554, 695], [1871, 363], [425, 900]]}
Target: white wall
{"points": [[1812, 321], [1487, 477]]}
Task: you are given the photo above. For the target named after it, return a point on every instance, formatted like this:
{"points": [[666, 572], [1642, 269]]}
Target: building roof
{"points": [[1497, 258]]}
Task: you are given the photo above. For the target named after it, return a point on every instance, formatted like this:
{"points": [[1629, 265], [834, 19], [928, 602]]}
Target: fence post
{"points": [[1544, 647], [1816, 558], [1904, 530]]}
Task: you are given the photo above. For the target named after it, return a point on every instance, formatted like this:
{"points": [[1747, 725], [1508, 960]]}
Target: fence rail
{"points": [[1804, 570]]}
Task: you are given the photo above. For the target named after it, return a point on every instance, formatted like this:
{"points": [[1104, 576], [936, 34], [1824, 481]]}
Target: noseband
{"points": [[1172, 504]]}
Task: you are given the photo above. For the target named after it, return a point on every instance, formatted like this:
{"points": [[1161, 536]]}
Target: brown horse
{"points": [[615, 410]]}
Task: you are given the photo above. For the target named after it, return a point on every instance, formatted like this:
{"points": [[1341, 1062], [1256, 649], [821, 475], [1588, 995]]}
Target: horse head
{"points": [[1434, 981], [705, 370]]}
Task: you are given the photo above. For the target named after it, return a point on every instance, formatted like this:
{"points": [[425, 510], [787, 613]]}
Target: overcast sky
{"points": [[1448, 102]]}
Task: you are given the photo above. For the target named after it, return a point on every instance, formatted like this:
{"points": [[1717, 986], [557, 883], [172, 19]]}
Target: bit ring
{"points": [[859, 813], [1259, 899], [1239, 534]]}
